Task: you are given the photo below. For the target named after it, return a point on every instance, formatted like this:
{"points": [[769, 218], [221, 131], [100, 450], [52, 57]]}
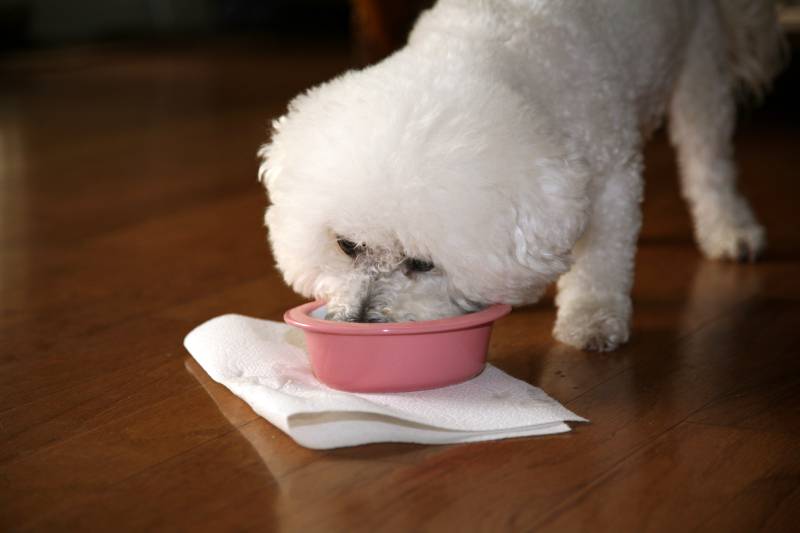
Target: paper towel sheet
{"points": [[266, 365]]}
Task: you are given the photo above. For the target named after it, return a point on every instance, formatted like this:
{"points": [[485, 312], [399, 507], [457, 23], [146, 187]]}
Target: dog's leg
{"points": [[702, 116], [594, 303]]}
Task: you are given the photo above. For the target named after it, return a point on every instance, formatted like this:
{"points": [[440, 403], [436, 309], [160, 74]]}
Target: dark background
{"points": [[374, 27], [48, 23]]}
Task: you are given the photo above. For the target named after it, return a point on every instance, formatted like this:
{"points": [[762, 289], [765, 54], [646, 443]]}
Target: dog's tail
{"points": [[757, 47]]}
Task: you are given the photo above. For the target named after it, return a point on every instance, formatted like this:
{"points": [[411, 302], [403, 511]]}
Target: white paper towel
{"points": [[265, 364]]}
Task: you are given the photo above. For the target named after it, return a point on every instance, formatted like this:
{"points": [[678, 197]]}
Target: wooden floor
{"points": [[131, 213]]}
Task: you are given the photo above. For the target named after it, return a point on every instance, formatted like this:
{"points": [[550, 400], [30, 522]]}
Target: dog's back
{"points": [[643, 42]]}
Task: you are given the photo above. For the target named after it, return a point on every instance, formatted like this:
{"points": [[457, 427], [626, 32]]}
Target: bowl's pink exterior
{"points": [[396, 357]]}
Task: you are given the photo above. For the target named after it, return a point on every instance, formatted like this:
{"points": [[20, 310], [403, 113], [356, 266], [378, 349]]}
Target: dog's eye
{"points": [[419, 265], [348, 247]]}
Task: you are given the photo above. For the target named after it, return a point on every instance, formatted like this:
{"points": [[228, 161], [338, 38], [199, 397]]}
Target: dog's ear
{"points": [[290, 242], [269, 168], [550, 215]]}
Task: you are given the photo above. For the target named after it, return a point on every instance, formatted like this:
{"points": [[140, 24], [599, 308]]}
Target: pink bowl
{"points": [[396, 356]]}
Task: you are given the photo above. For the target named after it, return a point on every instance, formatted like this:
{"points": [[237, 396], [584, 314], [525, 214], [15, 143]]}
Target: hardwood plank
{"points": [[60, 475], [60, 404], [192, 249], [773, 405], [739, 485]]}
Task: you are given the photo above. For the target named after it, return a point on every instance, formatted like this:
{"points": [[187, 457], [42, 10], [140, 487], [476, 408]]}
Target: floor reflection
{"points": [[675, 370], [719, 288], [332, 478]]}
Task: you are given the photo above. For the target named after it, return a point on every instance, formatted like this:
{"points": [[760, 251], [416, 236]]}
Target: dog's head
{"points": [[399, 196]]}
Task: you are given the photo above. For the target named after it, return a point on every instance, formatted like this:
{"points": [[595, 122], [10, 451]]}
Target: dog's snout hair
{"points": [[367, 295], [343, 315], [368, 298]]}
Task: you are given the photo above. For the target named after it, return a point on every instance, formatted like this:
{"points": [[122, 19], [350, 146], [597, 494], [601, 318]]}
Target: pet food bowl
{"points": [[396, 356]]}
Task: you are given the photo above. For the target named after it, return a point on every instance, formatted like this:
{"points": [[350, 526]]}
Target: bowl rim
{"points": [[300, 317]]}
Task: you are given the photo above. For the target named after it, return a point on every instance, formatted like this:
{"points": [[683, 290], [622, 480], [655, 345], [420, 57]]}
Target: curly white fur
{"points": [[503, 144]]}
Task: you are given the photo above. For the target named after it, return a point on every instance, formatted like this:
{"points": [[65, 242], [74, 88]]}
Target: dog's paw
{"points": [[594, 325], [723, 240]]}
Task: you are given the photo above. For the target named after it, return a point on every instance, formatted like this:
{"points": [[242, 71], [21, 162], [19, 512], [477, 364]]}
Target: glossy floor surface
{"points": [[131, 212]]}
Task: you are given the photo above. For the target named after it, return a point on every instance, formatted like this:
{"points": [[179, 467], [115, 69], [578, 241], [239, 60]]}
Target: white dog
{"points": [[501, 150]]}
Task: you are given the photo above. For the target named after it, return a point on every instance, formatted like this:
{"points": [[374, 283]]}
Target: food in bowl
{"points": [[395, 356]]}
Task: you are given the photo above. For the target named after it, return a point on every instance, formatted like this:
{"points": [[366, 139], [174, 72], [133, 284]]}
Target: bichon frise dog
{"points": [[501, 150]]}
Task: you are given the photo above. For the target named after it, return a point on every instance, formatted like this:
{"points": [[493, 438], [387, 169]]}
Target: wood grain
{"points": [[131, 213]]}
